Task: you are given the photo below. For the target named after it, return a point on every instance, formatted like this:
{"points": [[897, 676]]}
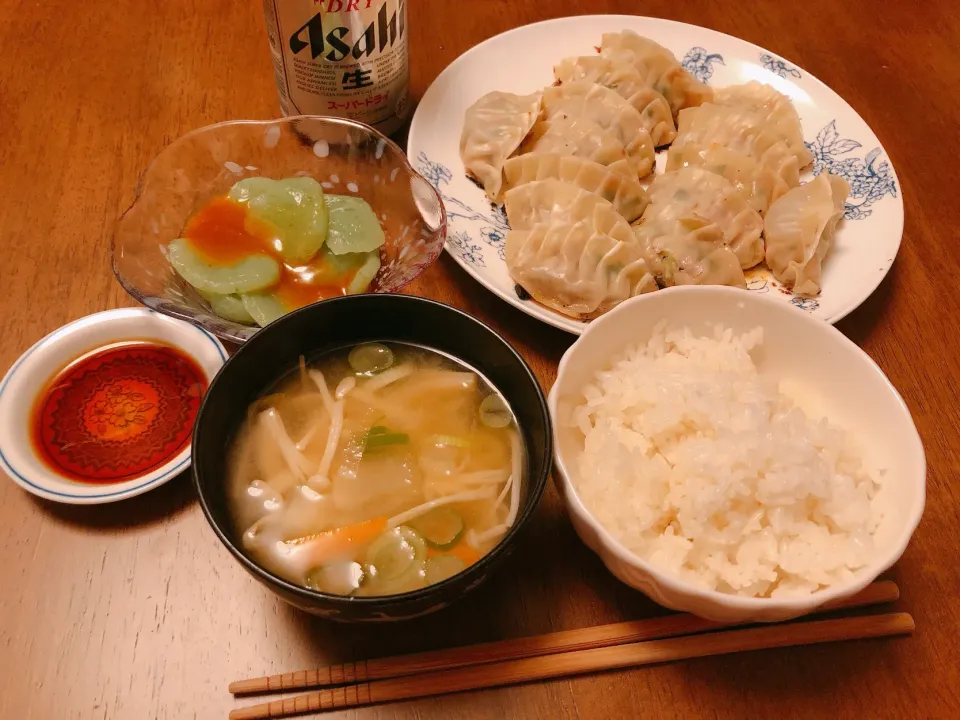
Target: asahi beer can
{"points": [[341, 57]]}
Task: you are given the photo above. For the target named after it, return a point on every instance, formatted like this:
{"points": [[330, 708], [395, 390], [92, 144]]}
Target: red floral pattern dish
{"points": [[102, 409], [119, 412]]}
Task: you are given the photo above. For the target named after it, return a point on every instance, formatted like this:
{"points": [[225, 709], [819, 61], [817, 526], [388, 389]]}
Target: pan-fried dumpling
{"points": [[701, 193], [658, 66], [753, 179], [494, 126], [742, 131], [546, 201], [623, 79], [624, 191], [575, 136], [693, 253], [580, 268], [799, 230], [775, 108], [610, 111], [751, 94]]}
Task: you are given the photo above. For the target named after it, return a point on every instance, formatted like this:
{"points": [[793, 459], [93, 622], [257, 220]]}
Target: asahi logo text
{"points": [[335, 43], [332, 6]]}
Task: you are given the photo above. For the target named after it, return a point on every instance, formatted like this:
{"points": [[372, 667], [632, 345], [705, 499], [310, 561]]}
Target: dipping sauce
{"points": [[118, 413]]}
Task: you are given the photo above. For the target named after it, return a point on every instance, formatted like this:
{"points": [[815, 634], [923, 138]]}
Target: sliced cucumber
{"points": [[337, 579], [294, 207], [330, 269], [229, 307], [253, 273], [353, 226], [396, 556], [370, 358], [366, 274], [494, 412], [247, 188], [441, 527], [264, 308], [441, 567]]}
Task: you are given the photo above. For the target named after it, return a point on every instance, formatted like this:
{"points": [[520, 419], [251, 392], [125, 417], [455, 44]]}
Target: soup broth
{"points": [[378, 469]]}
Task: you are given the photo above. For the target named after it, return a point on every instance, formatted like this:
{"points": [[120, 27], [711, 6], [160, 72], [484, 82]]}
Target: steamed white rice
{"points": [[702, 467]]}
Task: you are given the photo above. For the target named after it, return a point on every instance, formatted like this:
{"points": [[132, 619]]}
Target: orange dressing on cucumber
{"points": [[224, 232]]}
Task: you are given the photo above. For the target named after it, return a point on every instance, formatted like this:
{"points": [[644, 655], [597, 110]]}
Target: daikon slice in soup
{"points": [[374, 470]]}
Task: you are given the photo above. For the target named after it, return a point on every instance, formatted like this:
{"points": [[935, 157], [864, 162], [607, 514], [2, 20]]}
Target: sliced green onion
{"points": [[370, 358], [337, 579], [396, 554], [440, 527], [494, 412], [379, 437]]}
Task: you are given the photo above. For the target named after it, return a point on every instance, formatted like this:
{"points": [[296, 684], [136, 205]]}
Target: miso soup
{"points": [[375, 470]]}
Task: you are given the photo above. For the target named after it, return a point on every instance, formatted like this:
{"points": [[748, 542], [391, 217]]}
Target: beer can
{"points": [[346, 58]]}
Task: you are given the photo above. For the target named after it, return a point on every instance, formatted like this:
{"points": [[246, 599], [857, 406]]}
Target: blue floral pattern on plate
{"points": [[462, 244], [699, 63], [869, 181], [493, 231], [840, 141], [805, 303], [758, 284], [778, 66]]}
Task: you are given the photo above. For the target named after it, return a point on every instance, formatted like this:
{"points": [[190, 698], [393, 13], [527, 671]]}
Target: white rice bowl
{"points": [[704, 565], [701, 466]]}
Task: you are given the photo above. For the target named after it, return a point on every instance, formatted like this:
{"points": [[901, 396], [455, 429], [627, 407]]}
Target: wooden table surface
{"points": [[135, 610]]}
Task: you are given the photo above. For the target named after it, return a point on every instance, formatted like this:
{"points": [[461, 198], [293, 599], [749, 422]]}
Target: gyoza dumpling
{"points": [[622, 189], [694, 253], [494, 126], [546, 201], [742, 131], [610, 111], [751, 94], [580, 268], [799, 230], [753, 179], [697, 192], [658, 66], [775, 108], [623, 79], [575, 136]]}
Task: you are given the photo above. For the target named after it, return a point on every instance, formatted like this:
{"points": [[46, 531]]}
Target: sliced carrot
{"points": [[463, 551], [320, 548]]}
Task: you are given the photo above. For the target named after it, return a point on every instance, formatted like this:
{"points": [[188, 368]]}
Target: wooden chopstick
{"points": [[517, 648], [583, 661]]}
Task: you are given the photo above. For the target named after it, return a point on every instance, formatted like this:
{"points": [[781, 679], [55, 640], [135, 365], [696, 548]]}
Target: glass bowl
{"points": [[345, 157]]}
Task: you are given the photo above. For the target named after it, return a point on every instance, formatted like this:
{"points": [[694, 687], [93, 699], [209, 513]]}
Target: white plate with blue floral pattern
{"points": [[522, 60]]}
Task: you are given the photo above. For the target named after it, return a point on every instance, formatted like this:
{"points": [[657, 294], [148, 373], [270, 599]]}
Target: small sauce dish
{"points": [[103, 408]]}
